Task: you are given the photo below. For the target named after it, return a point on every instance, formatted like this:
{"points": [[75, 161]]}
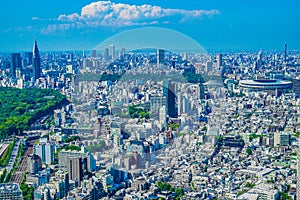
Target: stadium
{"points": [[270, 86]]}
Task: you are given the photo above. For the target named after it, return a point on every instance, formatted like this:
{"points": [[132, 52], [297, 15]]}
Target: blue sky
{"points": [[215, 24]]}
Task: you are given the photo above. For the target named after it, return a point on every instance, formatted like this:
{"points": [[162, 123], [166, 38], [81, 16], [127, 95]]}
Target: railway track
{"points": [[18, 175]]}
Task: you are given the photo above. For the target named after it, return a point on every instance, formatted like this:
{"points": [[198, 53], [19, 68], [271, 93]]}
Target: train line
{"points": [[18, 175]]}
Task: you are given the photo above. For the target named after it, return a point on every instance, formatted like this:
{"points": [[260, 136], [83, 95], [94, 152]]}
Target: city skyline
{"points": [[213, 24], [150, 124]]}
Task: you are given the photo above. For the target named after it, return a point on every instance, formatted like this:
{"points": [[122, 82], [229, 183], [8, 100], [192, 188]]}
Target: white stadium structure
{"points": [[271, 86]]}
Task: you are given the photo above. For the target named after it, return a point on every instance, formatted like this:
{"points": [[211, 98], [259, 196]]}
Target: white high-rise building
{"points": [[259, 59], [185, 105], [219, 61], [179, 100], [112, 52], [46, 151], [162, 115]]}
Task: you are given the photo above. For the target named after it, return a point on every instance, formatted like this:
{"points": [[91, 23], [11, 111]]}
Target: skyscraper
{"points": [[219, 60], [285, 52], [94, 53], [179, 104], [160, 57], [259, 59], [209, 66], [16, 62], [162, 115], [169, 90], [106, 53], [75, 170], [112, 51], [123, 53], [45, 151], [28, 57], [36, 62]]}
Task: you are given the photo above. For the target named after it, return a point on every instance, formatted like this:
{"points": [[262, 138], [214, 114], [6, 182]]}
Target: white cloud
{"points": [[109, 14]]}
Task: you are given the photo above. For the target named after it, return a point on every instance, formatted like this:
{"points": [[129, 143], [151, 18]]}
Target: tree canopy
{"points": [[136, 111], [19, 108], [193, 78]]}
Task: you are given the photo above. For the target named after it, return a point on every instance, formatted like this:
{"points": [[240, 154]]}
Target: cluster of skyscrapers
{"points": [[27, 67]]}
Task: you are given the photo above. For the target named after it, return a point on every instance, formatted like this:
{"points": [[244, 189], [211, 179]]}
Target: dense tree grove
{"points": [[19, 108], [193, 78], [136, 111]]}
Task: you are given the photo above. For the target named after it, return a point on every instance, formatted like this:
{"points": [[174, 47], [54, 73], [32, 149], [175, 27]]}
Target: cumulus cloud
{"points": [[109, 14]]}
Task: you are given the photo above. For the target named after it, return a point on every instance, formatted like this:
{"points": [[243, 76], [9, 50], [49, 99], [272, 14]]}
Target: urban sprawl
{"points": [[156, 124]]}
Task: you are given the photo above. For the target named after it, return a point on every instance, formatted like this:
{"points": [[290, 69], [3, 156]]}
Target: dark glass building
{"points": [[36, 62], [169, 89], [16, 62]]}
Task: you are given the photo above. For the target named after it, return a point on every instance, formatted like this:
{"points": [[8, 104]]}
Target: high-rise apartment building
{"points": [[75, 169], [45, 151]]}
